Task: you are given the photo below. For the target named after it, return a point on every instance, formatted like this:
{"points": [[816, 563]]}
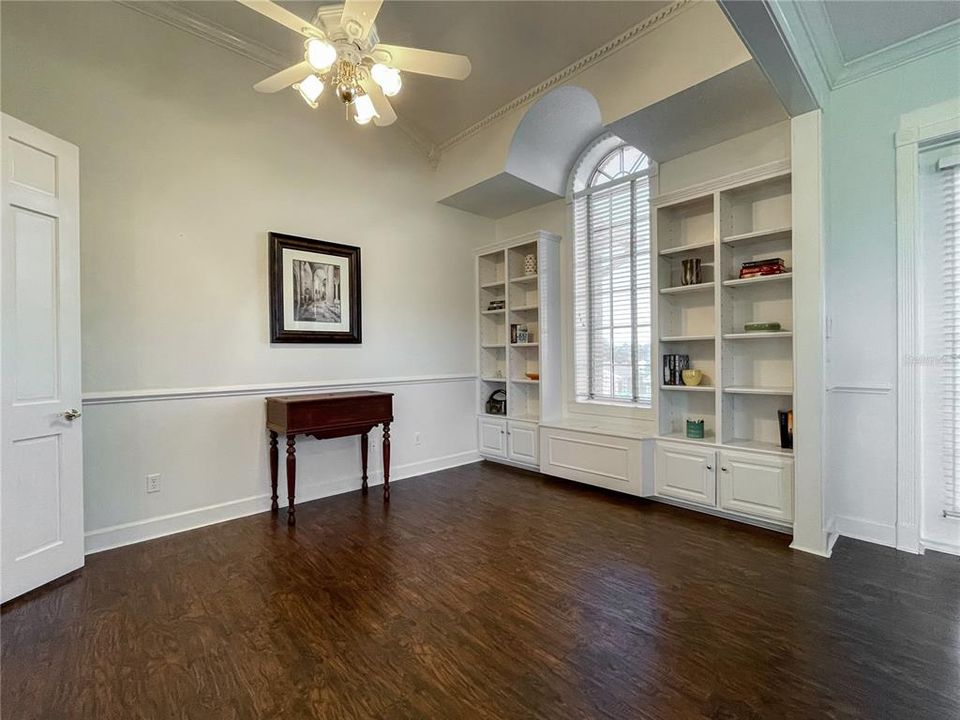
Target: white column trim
{"points": [[916, 129]]}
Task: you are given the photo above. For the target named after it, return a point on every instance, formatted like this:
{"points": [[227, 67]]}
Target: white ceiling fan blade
{"points": [[284, 78], [425, 62], [380, 103], [283, 16], [361, 12]]}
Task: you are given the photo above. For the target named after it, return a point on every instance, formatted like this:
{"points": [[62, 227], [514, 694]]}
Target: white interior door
{"points": [[41, 489]]}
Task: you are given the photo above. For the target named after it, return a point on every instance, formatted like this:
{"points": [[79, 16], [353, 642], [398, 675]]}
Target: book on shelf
{"points": [[756, 268], [673, 366]]}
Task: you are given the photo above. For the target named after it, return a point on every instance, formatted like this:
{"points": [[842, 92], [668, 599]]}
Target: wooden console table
{"points": [[330, 415]]}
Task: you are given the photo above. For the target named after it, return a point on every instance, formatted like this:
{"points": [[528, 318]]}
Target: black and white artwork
{"points": [[314, 291]]}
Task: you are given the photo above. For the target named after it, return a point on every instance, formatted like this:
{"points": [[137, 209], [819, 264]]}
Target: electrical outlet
{"points": [[417, 439], [153, 483]]}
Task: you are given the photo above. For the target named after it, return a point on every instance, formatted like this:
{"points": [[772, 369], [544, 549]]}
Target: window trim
{"points": [[917, 131], [589, 158]]}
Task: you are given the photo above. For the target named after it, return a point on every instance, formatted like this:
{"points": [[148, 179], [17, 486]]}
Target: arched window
{"points": [[620, 162], [612, 303]]}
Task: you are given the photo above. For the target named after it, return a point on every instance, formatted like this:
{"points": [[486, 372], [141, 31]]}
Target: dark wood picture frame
{"points": [[278, 242]]}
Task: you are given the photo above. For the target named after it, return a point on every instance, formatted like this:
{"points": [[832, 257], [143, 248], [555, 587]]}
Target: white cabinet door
{"points": [[493, 437], [522, 442], [758, 485], [686, 472], [41, 453]]}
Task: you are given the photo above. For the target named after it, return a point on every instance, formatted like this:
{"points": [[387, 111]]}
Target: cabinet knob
{"points": [[709, 467], [724, 469]]}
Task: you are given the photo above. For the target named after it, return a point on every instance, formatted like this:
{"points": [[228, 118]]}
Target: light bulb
{"points": [[320, 53], [310, 88], [387, 78], [365, 110]]}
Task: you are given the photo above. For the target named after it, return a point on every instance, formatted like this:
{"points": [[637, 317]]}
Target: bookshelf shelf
{"points": [[687, 338], [699, 287], [688, 248], [783, 233], [758, 335], [758, 280], [756, 390], [689, 388]]}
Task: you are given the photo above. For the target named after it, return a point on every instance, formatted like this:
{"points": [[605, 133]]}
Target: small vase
{"points": [[530, 264], [692, 272]]}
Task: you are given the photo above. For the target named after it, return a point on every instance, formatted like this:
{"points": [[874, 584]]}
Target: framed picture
{"points": [[314, 291]]}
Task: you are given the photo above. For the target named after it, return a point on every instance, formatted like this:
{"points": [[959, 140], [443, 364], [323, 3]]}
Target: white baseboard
{"points": [[940, 547], [868, 530], [155, 527]]}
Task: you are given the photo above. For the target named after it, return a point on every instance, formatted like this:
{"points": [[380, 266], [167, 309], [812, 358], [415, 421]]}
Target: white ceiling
{"points": [[513, 46], [862, 27]]}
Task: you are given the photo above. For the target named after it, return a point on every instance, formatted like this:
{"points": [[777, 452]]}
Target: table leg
{"points": [[386, 461], [291, 477], [363, 459], [274, 467]]}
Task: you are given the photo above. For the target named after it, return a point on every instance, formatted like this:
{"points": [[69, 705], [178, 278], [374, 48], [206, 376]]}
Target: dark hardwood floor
{"points": [[486, 592]]}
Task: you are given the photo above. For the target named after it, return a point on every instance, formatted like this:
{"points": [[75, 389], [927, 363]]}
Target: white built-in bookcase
{"points": [[748, 377], [531, 299]]}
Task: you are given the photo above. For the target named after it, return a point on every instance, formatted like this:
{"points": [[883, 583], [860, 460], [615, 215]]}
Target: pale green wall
{"points": [[860, 121]]}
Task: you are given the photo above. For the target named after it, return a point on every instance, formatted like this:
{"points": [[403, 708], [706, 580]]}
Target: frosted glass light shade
{"points": [[387, 78], [320, 53], [310, 88], [364, 109]]}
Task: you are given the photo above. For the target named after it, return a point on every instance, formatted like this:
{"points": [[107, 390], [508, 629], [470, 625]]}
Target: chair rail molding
{"points": [[114, 397], [917, 129]]}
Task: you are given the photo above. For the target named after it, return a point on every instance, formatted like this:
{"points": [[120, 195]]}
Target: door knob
{"points": [[71, 414]]}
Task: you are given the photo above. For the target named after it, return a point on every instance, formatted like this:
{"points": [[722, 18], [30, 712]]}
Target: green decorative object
{"points": [[762, 327], [695, 429]]}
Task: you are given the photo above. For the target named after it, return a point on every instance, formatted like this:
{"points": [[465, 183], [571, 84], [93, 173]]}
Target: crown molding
{"points": [[838, 71], [179, 16], [624, 39]]}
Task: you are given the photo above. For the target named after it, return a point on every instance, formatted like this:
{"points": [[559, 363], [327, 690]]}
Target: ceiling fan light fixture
{"points": [[387, 78], [365, 112], [310, 88], [320, 54]]}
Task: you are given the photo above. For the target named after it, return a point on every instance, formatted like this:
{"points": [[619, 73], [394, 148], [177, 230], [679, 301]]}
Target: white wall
{"points": [[184, 169], [861, 286]]}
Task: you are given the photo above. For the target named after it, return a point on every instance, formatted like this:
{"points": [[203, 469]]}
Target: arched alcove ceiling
{"points": [[551, 136], [542, 152], [556, 129]]}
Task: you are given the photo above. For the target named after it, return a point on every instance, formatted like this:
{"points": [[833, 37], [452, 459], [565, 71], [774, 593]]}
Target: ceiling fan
{"points": [[342, 49]]}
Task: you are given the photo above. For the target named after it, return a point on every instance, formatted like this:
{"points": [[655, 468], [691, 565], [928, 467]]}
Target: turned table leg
{"points": [[363, 459], [291, 477], [274, 468], [386, 461]]}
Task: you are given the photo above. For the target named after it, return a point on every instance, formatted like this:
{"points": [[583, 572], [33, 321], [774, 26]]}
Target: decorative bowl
{"points": [[533, 376], [692, 377]]}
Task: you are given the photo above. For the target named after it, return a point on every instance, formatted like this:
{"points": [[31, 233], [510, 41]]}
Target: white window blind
{"points": [[612, 305], [948, 185]]}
